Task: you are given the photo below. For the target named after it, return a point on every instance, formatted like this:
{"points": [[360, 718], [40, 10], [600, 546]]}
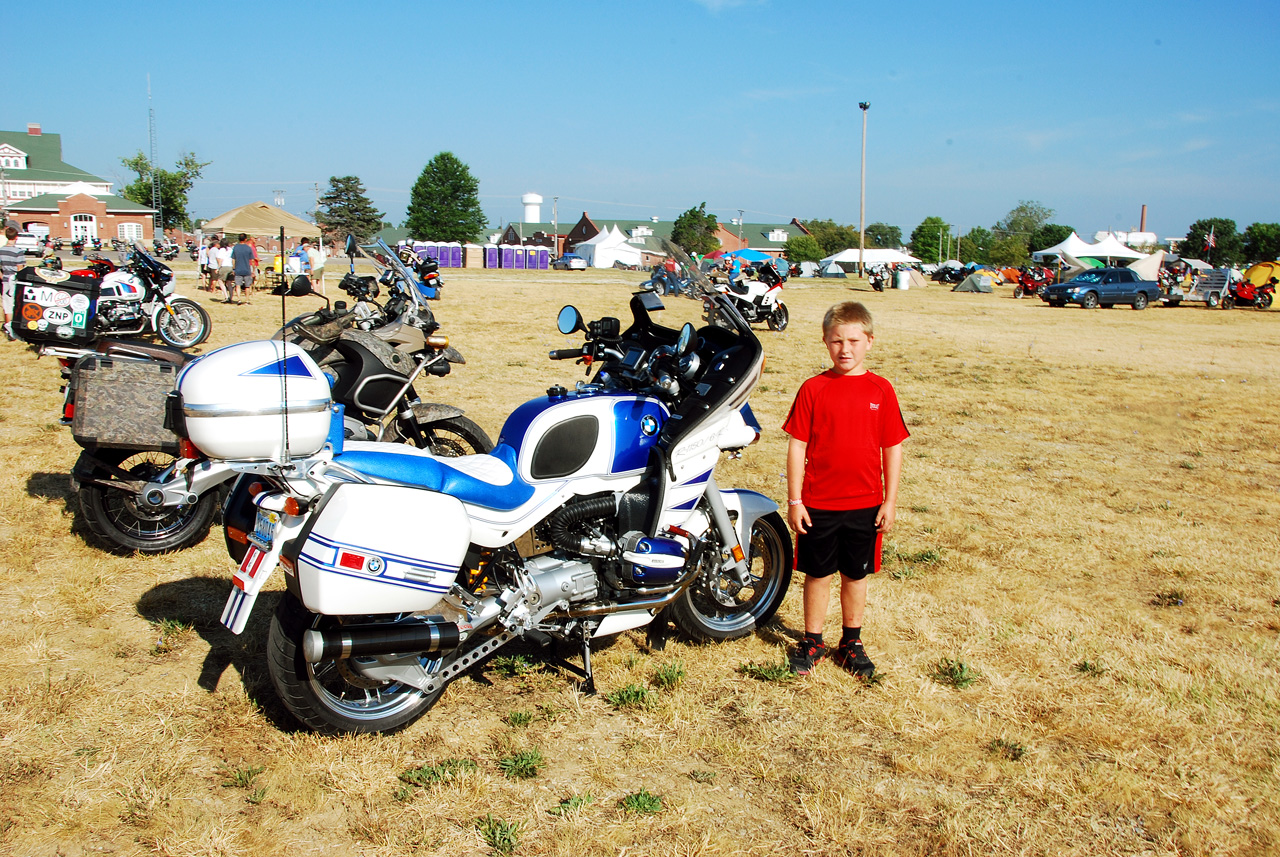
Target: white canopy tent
{"points": [[874, 257], [1148, 268], [607, 247], [1072, 245], [1111, 248]]}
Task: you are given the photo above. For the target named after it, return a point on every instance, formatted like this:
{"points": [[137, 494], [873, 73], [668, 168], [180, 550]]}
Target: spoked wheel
{"points": [[333, 697], [118, 516], [188, 326], [1264, 300], [779, 318], [454, 437], [716, 607]]}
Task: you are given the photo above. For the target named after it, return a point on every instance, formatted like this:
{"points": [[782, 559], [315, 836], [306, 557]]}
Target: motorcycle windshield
{"points": [[384, 259]]}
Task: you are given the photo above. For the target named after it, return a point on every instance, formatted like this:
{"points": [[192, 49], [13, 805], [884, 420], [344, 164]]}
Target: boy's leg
{"points": [[810, 650], [853, 601]]}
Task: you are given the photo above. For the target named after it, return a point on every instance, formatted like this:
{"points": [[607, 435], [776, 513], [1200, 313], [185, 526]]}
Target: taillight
{"points": [[237, 535], [186, 449], [68, 411]]}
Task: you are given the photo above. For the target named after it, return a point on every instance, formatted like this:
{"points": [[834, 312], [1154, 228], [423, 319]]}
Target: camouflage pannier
{"points": [[120, 404]]}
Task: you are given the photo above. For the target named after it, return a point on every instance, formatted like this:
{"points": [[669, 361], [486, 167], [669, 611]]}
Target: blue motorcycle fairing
{"points": [[637, 424], [457, 477]]}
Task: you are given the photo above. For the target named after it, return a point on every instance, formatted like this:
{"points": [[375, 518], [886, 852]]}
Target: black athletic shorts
{"points": [[845, 541]]}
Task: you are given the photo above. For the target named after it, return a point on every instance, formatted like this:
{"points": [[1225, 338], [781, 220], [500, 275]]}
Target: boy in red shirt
{"points": [[843, 464]]}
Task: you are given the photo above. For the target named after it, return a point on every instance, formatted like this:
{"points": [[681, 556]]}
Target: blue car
{"points": [[1103, 287]]}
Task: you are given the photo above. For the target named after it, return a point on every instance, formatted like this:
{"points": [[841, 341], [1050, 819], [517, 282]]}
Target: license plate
{"points": [[264, 529]]}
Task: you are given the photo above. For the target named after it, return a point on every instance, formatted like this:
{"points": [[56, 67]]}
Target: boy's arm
{"points": [[891, 458], [797, 515]]}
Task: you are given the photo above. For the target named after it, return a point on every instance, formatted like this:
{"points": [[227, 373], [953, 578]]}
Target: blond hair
{"points": [[849, 312]]}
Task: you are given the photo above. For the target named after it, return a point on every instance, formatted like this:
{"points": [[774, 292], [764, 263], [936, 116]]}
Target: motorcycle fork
{"points": [[736, 562]]}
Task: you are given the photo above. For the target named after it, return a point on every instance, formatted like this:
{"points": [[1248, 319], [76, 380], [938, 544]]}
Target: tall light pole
{"points": [[862, 202]]}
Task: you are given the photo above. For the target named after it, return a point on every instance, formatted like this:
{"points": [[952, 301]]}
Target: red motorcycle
{"points": [[1247, 294], [1032, 281], [95, 266]]}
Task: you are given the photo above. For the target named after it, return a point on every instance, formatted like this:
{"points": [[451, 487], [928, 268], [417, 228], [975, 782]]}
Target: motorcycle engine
{"points": [[558, 579], [118, 313]]}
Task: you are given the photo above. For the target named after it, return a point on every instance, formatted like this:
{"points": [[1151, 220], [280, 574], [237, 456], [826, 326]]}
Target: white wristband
{"points": [[795, 502]]}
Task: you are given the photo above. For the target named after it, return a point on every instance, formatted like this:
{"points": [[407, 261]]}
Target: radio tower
{"points": [[151, 133]]}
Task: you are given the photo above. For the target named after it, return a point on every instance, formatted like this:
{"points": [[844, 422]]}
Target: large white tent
{"points": [[1111, 248], [1072, 245], [875, 256], [607, 247]]}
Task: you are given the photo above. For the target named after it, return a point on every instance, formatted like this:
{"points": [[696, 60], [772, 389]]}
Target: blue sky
{"points": [[632, 110]]}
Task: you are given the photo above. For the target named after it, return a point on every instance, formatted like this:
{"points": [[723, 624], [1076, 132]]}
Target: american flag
{"points": [[1209, 240]]}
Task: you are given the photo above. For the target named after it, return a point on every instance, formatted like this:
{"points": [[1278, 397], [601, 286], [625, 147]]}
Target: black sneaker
{"points": [[806, 656], [852, 657]]}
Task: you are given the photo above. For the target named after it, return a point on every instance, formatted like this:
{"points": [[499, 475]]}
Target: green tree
{"points": [[1009, 251], [1048, 235], [929, 239], [345, 210], [444, 204], [1262, 242], [173, 186], [1025, 218], [695, 230], [976, 245], [884, 236], [1228, 246], [803, 248], [832, 237]]}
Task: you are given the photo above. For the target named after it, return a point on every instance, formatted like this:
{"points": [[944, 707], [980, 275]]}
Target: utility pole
{"points": [[740, 213], [155, 189], [864, 106], [555, 226]]}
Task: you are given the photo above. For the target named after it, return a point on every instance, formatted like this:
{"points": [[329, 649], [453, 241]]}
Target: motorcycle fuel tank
{"points": [[239, 402], [583, 434]]}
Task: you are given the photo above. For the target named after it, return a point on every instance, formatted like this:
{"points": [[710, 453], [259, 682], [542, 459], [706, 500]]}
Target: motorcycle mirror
{"points": [[570, 320], [352, 247], [685, 343]]}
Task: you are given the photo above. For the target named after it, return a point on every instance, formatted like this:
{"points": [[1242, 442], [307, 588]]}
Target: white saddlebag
{"points": [[376, 549], [235, 399]]}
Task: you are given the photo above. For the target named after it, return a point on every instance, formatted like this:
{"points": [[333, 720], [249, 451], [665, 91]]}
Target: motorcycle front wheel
{"points": [[116, 515], [779, 318], [717, 608], [450, 438], [332, 697], [188, 326]]}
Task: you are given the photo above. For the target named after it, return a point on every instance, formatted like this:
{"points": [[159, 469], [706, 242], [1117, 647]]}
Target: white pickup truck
{"points": [[29, 243]]}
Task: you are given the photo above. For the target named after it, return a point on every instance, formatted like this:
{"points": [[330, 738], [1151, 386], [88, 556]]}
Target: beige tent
{"points": [[261, 221]]}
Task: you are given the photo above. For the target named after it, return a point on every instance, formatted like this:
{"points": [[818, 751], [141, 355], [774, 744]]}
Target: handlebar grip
{"points": [[566, 353]]}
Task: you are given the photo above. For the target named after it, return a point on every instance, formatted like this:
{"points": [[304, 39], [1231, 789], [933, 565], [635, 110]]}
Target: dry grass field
{"points": [[1077, 627]]}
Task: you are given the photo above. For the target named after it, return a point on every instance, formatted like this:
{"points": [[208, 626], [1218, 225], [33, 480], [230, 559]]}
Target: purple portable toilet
{"points": [[490, 256], [455, 255], [519, 258], [544, 258], [508, 257], [432, 251]]}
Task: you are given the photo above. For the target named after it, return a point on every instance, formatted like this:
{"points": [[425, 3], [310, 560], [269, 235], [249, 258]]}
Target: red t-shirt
{"points": [[845, 420]]}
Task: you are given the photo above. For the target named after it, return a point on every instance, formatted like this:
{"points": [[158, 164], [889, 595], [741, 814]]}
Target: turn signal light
{"points": [[437, 340], [237, 535], [187, 449], [292, 506], [738, 555], [256, 488]]}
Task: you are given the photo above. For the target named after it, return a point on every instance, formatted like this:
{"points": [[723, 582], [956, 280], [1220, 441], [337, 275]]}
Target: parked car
{"points": [[29, 243], [570, 262], [1104, 287]]}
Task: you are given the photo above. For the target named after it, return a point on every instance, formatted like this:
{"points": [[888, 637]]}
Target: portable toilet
{"points": [[544, 258], [518, 257], [455, 255], [508, 257], [490, 256], [431, 251]]}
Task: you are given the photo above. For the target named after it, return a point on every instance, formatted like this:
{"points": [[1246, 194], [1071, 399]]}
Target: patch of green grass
{"points": [[571, 804], [524, 765], [519, 719], [440, 772], [704, 777], [642, 802], [403, 793], [920, 508], [1091, 668], [240, 778], [500, 835], [513, 665], [1011, 750], [955, 673], [669, 675], [1187, 465], [630, 696], [256, 796], [779, 673], [1169, 598], [173, 633]]}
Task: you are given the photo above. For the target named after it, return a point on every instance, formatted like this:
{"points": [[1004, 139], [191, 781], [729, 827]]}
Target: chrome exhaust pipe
{"points": [[363, 640]]}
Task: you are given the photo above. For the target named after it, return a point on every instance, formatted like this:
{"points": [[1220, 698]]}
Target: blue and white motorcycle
{"points": [[597, 512]]}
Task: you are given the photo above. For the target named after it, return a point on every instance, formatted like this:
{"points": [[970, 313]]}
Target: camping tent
{"points": [[1148, 268], [915, 280], [261, 221], [1111, 248], [810, 269], [1072, 245], [1261, 273], [832, 270], [978, 281], [874, 257], [608, 247]]}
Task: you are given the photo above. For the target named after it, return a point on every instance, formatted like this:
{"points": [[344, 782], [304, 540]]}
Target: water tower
{"points": [[532, 208]]}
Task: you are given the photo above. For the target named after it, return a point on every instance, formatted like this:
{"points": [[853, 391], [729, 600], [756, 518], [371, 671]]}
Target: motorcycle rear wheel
{"points": [[187, 327], [716, 608], [116, 516], [330, 697], [1264, 300]]}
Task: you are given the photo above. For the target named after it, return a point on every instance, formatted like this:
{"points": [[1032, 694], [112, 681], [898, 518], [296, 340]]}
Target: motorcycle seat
{"points": [[144, 350], [739, 289], [487, 480]]}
